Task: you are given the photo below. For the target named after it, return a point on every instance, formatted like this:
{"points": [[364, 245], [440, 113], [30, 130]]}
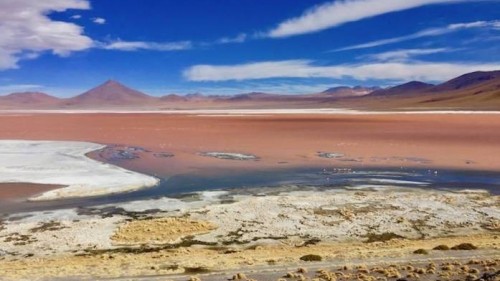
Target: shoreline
{"points": [[171, 146], [253, 112], [65, 164], [316, 177]]}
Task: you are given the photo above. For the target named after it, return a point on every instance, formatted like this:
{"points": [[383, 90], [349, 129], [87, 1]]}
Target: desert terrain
{"points": [[266, 232], [304, 140], [348, 184]]}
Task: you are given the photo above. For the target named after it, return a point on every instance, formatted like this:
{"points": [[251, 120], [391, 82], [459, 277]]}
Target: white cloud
{"points": [[405, 54], [141, 45], [99, 20], [7, 89], [426, 33], [427, 71], [26, 30], [339, 12], [240, 38], [76, 17]]}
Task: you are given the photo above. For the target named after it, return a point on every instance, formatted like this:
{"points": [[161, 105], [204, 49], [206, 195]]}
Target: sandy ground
{"points": [[224, 232]]}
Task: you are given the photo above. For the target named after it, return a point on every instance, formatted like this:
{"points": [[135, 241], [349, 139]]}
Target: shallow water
{"points": [[244, 182]]}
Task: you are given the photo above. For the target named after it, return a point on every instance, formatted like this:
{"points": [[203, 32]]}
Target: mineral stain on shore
{"points": [[229, 156]]}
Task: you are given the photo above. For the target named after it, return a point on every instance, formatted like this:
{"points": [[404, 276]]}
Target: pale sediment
{"points": [[64, 163], [220, 231]]}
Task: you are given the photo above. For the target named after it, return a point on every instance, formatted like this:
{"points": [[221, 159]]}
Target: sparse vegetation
{"points": [[48, 226], [239, 276], [302, 270], [441, 248], [311, 257], [421, 252], [198, 269], [464, 246], [383, 237]]}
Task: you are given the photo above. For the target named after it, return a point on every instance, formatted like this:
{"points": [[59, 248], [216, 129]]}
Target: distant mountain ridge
{"points": [[28, 98], [403, 89], [468, 80], [345, 91], [472, 90]]}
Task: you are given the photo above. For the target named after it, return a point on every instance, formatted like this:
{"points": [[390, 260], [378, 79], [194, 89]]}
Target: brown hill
{"points": [[28, 100], [111, 93], [173, 98], [254, 96], [474, 91], [29, 97], [403, 89], [468, 80]]}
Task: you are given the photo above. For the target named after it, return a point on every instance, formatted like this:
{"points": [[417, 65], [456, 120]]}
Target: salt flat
{"points": [[64, 163]]}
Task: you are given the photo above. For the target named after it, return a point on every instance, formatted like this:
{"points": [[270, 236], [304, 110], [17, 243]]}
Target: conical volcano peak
{"points": [[112, 92]]}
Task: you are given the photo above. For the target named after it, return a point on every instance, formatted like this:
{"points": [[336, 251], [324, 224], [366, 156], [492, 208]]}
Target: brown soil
{"points": [[10, 191]]}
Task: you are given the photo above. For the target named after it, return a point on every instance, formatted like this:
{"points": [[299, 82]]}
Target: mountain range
{"points": [[476, 90]]}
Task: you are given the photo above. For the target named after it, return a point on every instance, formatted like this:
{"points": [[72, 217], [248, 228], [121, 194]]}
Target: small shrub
{"points": [[302, 270], [464, 246], [382, 237], [198, 269], [239, 276], [311, 257], [421, 252], [441, 248]]}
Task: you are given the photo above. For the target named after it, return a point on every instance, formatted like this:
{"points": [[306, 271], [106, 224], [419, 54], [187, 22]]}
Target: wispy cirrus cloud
{"points": [[426, 33], [336, 13], [142, 45], [405, 54], [7, 89], [415, 70], [26, 30], [240, 38]]}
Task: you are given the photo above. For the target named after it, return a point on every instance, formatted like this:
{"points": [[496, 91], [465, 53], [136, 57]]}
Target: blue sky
{"points": [[64, 47]]}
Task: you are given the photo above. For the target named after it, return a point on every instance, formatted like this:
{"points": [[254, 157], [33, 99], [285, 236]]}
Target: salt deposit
{"points": [[64, 163], [229, 156]]}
